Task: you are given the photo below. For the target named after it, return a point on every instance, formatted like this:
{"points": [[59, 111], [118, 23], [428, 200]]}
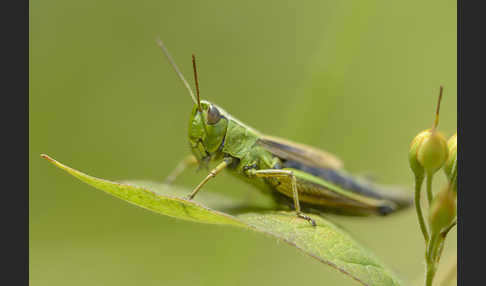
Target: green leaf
{"points": [[325, 242]]}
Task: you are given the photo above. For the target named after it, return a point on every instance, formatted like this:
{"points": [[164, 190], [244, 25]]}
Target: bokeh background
{"points": [[356, 78]]}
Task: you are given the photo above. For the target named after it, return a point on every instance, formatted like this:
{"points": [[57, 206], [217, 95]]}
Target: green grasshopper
{"points": [[288, 171]]}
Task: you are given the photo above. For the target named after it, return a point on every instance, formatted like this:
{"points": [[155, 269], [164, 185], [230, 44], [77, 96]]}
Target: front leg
{"points": [[226, 161], [275, 173]]}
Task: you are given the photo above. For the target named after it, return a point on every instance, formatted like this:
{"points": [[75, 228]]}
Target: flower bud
{"points": [[442, 210], [433, 152], [415, 165], [428, 152], [450, 167]]}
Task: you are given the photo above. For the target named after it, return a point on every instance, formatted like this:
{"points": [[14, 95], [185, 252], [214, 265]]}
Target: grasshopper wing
{"points": [[304, 154]]}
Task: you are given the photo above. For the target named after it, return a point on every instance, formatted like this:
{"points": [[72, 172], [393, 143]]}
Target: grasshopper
{"points": [[313, 179]]}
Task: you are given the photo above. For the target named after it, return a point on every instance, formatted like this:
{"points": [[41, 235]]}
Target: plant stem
{"points": [[431, 264], [430, 274], [429, 187], [418, 208], [433, 254]]}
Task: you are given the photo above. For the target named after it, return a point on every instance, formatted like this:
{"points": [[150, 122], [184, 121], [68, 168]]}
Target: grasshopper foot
{"points": [[307, 218], [189, 197]]}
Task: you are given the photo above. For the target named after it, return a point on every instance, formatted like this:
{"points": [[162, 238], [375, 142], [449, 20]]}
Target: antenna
{"points": [[197, 82], [181, 76]]}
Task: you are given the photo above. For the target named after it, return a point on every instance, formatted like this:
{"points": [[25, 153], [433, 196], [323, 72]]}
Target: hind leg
{"points": [[275, 173]]}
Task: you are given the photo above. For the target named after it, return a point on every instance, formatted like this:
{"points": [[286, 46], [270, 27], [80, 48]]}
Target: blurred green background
{"points": [[357, 78]]}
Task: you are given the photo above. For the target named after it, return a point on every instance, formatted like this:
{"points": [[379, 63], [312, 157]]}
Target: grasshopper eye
{"points": [[213, 115]]}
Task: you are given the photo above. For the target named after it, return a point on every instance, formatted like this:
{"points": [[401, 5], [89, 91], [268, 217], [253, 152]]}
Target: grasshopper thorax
{"points": [[207, 130]]}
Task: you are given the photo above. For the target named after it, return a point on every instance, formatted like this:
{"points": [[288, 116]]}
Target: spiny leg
{"points": [[268, 173], [186, 162], [212, 174]]}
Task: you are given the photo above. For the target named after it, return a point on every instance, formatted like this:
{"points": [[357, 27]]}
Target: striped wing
{"points": [[304, 154]]}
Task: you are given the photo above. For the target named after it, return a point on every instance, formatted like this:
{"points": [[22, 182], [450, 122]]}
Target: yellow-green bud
{"points": [[415, 165], [450, 167], [442, 210], [432, 153], [428, 152]]}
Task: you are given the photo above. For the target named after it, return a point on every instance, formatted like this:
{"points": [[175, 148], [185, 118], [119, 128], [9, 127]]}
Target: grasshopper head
{"points": [[208, 123], [207, 129]]}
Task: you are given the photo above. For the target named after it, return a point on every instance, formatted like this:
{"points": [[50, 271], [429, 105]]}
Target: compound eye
{"points": [[213, 115]]}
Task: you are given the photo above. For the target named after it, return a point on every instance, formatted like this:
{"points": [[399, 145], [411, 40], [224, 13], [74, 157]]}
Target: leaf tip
{"points": [[51, 160], [46, 157]]}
